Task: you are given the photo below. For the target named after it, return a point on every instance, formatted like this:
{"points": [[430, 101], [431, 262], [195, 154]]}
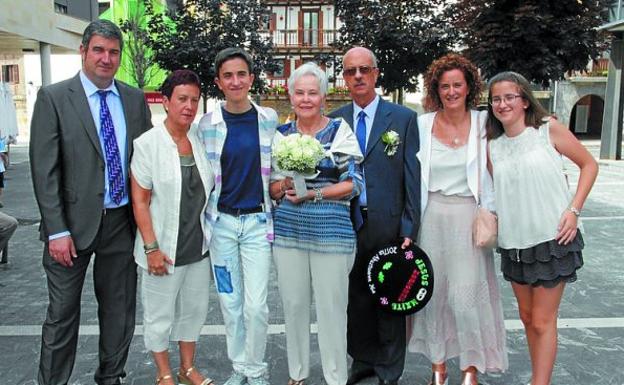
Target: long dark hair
{"points": [[534, 113]]}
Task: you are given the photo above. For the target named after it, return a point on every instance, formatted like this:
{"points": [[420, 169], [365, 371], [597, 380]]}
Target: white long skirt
{"points": [[464, 317]]}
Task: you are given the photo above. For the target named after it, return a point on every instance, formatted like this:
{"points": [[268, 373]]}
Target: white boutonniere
{"points": [[391, 140]]}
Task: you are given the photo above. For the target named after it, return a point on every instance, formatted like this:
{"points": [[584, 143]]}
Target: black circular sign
{"points": [[401, 280]]}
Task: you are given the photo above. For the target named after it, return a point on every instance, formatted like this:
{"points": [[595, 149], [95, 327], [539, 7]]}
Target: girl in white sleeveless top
{"points": [[538, 223]]}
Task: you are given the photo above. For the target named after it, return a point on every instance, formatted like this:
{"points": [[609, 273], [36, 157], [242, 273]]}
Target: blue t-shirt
{"points": [[240, 161]]}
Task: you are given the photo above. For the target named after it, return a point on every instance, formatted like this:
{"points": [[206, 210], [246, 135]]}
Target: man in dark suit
{"points": [[80, 146], [387, 210]]}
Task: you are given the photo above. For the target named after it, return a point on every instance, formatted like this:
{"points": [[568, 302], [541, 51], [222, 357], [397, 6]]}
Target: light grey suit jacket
{"points": [[66, 159]]}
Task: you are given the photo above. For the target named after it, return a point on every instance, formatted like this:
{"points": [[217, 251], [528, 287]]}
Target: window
{"points": [[310, 27], [10, 73], [616, 11], [281, 71], [103, 7], [58, 8]]}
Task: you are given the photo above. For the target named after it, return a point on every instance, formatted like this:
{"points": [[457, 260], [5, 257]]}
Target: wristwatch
{"points": [[318, 195]]}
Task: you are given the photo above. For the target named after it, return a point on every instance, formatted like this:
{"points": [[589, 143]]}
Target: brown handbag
{"points": [[485, 224]]}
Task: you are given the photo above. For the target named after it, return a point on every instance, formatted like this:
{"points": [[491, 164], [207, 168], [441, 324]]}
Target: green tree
{"points": [[191, 35], [540, 39], [406, 36], [138, 61]]}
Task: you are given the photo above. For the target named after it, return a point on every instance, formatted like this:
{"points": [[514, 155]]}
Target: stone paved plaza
{"points": [[591, 325]]}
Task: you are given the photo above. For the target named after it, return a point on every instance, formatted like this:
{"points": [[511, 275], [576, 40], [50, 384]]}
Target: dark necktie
{"points": [[111, 151]]}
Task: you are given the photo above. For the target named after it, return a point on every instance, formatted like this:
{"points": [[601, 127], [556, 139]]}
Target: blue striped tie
{"points": [[111, 151]]}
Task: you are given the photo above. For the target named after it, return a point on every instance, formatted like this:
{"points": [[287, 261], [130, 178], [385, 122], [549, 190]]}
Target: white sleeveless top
{"points": [[448, 169], [530, 187]]}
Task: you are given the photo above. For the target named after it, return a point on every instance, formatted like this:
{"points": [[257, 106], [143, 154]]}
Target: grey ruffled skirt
{"points": [[546, 264]]}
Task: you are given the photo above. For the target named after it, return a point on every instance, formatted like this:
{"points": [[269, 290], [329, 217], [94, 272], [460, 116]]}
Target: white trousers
{"points": [[241, 260], [299, 272], [175, 305]]}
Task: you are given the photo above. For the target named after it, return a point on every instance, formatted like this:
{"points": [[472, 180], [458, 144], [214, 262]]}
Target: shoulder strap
{"points": [[544, 131]]}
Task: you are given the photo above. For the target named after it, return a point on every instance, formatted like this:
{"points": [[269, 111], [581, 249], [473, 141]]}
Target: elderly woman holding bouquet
{"points": [[315, 242]]}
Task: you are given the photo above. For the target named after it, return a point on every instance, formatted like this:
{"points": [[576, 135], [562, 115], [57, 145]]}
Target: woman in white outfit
{"points": [[171, 180], [464, 317]]}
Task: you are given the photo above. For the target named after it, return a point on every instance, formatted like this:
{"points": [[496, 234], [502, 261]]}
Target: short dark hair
{"points": [[229, 54], [449, 62], [534, 114], [104, 28], [178, 78]]}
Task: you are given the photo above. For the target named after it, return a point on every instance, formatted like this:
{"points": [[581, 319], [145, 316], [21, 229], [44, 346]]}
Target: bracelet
{"points": [[575, 211], [149, 251], [150, 247], [153, 245], [318, 195]]}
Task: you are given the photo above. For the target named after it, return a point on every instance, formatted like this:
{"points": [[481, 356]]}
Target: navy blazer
{"points": [[392, 182]]}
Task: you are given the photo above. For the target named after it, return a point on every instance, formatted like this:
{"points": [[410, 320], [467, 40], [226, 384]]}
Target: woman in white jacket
{"points": [[171, 181], [464, 318]]}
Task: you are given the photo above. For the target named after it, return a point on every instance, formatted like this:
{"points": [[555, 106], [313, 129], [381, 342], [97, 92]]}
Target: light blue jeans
{"points": [[241, 259]]}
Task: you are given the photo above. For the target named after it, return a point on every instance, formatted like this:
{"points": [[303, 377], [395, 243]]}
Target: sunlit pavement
{"points": [[591, 348]]}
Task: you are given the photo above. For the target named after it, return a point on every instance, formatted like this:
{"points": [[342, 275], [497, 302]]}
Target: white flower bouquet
{"points": [[297, 156]]}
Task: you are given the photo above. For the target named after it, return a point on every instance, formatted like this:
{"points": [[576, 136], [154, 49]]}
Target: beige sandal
{"points": [[184, 378], [296, 382], [163, 378]]}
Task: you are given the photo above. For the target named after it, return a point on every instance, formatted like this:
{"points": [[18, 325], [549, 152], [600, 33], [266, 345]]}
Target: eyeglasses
{"points": [[509, 98], [351, 71]]}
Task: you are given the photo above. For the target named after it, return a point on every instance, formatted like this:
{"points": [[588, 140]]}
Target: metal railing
{"points": [[302, 38], [337, 83]]}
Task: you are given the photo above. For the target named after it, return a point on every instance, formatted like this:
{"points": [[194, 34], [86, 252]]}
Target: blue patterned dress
{"points": [[323, 226]]}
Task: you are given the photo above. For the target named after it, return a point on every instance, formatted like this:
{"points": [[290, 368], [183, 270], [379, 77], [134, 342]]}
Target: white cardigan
{"points": [[425, 126], [156, 166]]}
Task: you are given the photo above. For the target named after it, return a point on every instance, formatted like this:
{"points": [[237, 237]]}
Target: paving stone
{"points": [[586, 355]]}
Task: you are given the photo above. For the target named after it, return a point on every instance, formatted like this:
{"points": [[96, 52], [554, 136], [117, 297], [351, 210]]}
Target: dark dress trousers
{"points": [[374, 338], [68, 166]]}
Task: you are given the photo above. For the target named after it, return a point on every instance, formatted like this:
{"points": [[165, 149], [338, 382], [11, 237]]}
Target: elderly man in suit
{"points": [[80, 145], [387, 210]]}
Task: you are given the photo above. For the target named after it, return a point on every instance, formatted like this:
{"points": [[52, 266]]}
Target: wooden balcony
{"points": [[303, 40]]}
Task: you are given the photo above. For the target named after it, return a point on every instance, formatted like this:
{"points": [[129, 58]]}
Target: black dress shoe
{"points": [[388, 382], [358, 372]]}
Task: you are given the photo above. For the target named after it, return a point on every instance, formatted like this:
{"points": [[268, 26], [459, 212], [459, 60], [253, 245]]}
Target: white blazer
{"points": [[477, 118], [156, 166]]}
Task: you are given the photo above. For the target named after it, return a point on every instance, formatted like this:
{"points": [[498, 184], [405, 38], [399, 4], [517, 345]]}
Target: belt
{"points": [[239, 212], [364, 212], [106, 211]]}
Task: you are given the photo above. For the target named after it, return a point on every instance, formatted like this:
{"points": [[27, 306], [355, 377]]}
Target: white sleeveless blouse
{"points": [[530, 187], [447, 174]]}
